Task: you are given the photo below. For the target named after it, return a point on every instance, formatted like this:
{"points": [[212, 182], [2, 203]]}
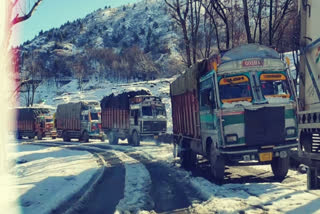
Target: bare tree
{"points": [[179, 10], [246, 21], [25, 14], [31, 77]]}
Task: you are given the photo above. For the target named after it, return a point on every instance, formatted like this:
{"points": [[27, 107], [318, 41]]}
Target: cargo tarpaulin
{"points": [[68, 116], [120, 101], [29, 113]]}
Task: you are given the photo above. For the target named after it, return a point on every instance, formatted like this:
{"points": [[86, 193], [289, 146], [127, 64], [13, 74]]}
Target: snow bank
{"points": [[48, 176]]}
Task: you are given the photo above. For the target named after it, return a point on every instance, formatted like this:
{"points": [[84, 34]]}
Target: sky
{"points": [[54, 13]]}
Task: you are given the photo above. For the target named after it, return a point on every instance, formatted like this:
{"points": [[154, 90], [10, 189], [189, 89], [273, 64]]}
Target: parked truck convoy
{"points": [[79, 120], [134, 115], [309, 91], [235, 109], [33, 122]]}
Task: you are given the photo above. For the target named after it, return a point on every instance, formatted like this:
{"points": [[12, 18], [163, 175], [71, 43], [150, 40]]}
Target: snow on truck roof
{"points": [[248, 51], [250, 57]]}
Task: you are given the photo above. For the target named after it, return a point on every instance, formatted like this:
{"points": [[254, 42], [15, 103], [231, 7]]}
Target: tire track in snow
{"points": [[137, 186]]}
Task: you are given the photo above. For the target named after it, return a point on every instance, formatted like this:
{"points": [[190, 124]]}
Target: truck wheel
{"points": [[187, 156], [103, 138], [217, 164], [53, 138], [129, 139], [189, 159], [280, 167], [85, 137], [18, 136], [306, 142], [31, 137], [39, 136], [135, 139], [113, 139], [313, 182], [65, 137]]}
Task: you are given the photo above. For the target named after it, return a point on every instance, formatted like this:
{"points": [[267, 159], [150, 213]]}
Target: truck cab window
{"points": [[147, 111], [206, 98], [160, 110], [94, 116], [235, 89], [274, 85]]}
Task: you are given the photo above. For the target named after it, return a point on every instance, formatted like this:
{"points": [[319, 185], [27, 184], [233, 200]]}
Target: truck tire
{"points": [[18, 136], [187, 156], [84, 137], [313, 182], [129, 139], [217, 164], [306, 141], [31, 137], [103, 138], [280, 167], [135, 139], [65, 137], [113, 139], [39, 136]]}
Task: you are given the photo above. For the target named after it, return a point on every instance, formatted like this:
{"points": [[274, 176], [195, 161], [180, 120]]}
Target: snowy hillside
{"points": [[103, 36]]}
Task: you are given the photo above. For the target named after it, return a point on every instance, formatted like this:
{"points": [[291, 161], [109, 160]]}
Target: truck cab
{"points": [[94, 121], [147, 116]]}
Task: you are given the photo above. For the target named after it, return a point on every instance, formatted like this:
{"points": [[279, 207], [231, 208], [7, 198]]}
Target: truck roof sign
{"points": [[252, 63]]}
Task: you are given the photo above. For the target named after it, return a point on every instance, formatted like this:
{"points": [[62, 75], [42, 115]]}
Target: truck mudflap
{"points": [[261, 154]]}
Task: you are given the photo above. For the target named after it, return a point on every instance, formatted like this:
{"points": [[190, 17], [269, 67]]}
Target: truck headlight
{"points": [[291, 132], [232, 138]]}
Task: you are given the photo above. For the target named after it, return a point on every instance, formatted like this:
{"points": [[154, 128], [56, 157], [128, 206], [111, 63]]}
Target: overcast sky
{"points": [[54, 13]]}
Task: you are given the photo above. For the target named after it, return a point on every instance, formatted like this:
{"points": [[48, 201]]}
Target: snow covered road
{"points": [[145, 179], [48, 176]]}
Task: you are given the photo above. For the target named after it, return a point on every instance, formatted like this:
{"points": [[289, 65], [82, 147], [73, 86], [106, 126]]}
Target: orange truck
{"points": [[33, 122]]}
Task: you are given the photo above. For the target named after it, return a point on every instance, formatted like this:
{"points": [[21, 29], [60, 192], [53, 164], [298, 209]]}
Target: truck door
{"points": [[207, 107], [85, 125]]}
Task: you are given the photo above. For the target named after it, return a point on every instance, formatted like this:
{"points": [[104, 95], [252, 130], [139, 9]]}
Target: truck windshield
{"points": [[274, 85], [146, 111], [160, 110], [94, 116], [49, 120], [235, 89]]}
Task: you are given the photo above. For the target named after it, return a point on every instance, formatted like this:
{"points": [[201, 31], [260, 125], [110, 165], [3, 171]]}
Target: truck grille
{"points": [[265, 126], [150, 126]]}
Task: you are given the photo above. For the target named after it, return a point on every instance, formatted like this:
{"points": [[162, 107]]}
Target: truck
{"points": [[133, 115], [309, 92], [33, 122], [80, 120], [235, 108]]}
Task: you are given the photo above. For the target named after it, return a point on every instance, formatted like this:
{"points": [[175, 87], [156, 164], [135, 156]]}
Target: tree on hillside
{"points": [[179, 11], [31, 78]]}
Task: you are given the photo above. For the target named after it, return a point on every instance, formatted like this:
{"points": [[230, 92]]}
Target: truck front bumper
{"points": [[255, 153], [97, 136]]}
